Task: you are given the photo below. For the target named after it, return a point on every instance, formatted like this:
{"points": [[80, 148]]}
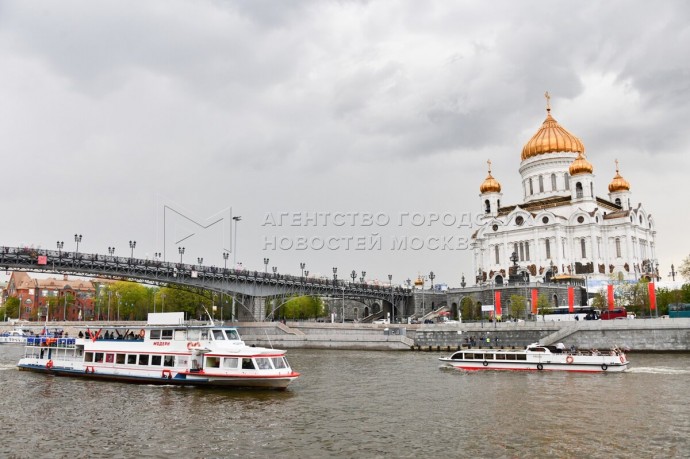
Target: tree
{"points": [[544, 306], [130, 300], [518, 305], [468, 308], [684, 268], [11, 308], [299, 308], [600, 300], [178, 300]]}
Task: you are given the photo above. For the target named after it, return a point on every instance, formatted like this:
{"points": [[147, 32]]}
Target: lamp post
{"points": [[364, 276], [266, 260], [302, 265], [342, 319], [234, 243], [672, 273], [111, 251], [60, 245], [132, 244], [353, 275], [117, 294], [462, 281], [201, 261], [335, 275], [180, 250], [225, 260], [156, 256], [275, 271], [390, 282], [432, 276], [77, 239]]}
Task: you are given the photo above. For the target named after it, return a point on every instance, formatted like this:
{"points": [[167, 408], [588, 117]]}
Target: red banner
{"points": [[497, 303], [42, 260], [571, 299], [652, 296], [610, 291], [535, 300]]}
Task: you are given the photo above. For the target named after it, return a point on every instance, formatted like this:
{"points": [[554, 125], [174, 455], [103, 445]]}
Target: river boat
{"points": [[15, 336], [537, 357], [167, 350]]}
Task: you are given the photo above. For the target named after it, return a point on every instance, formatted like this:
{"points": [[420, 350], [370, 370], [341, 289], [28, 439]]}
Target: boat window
{"points": [[132, 359], [278, 363], [88, 357], [263, 363], [218, 335], [247, 364], [457, 356], [500, 357], [488, 357], [120, 359], [521, 356], [166, 334], [537, 349], [231, 362], [144, 359], [169, 361], [110, 358], [193, 334], [155, 334], [232, 335], [510, 357], [98, 357], [180, 335], [212, 362], [204, 335], [156, 360]]}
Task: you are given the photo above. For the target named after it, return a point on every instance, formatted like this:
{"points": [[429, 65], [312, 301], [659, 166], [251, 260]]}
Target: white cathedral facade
{"points": [[561, 228]]}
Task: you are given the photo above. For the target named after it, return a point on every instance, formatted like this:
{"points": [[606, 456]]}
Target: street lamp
{"points": [[302, 265], [226, 255], [353, 275], [432, 276], [266, 260], [200, 260], [234, 244], [60, 245], [462, 281], [390, 281], [275, 271], [672, 273], [77, 239], [111, 250], [156, 256], [132, 244], [181, 252], [335, 275]]}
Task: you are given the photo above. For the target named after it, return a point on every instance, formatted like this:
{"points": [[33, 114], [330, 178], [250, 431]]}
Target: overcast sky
{"points": [[111, 110]]}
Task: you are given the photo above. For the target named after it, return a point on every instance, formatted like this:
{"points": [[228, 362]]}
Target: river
{"points": [[351, 404]]}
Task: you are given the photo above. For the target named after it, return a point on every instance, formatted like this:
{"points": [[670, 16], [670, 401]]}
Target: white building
{"points": [[561, 226]]}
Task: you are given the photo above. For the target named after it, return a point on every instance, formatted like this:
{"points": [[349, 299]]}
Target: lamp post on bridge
{"points": [[201, 261], [335, 275], [390, 281], [61, 244], [77, 239], [111, 251], [672, 273], [156, 256], [132, 244], [275, 271], [364, 275], [180, 250], [266, 260], [225, 261], [462, 281]]}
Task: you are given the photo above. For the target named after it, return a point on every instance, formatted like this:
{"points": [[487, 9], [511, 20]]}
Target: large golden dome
{"points": [[490, 184], [581, 165], [618, 183], [551, 137]]}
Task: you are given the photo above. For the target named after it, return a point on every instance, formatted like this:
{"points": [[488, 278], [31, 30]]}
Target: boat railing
{"points": [[46, 341]]}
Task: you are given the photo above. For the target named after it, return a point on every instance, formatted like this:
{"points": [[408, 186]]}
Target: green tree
{"points": [[600, 300], [468, 308], [130, 300], [300, 308], [544, 306], [684, 268], [11, 308], [518, 306], [178, 300]]}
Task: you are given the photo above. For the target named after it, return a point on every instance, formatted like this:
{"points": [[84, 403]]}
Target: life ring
{"points": [[604, 367], [49, 365], [166, 374], [142, 333], [485, 363], [622, 359], [540, 366], [569, 359]]}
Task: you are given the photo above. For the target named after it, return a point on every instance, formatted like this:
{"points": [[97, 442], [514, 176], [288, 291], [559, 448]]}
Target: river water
{"points": [[353, 404]]}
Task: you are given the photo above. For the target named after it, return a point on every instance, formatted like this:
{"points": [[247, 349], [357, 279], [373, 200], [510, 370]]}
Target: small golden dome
{"points": [[581, 165], [618, 183], [419, 282], [551, 137], [490, 184]]}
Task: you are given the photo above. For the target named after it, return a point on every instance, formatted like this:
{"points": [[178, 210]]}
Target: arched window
{"points": [[487, 207], [567, 181], [553, 182], [527, 251], [583, 248], [618, 201], [618, 247], [531, 188], [548, 248], [541, 184], [498, 258], [515, 248], [591, 189], [522, 252], [578, 190], [498, 204]]}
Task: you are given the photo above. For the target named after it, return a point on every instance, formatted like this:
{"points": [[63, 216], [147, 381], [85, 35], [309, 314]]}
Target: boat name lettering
{"points": [[161, 343], [192, 344]]}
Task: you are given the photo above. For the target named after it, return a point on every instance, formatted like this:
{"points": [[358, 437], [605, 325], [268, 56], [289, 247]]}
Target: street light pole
{"points": [[342, 320], [302, 265], [77, 239], [234, 243], [353, 275], [390, 281], [266, 260], [132, 244], [61, 244], [181, 252]]}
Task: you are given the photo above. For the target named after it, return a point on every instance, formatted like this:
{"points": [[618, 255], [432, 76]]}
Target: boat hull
{"points": [[612, 367]]}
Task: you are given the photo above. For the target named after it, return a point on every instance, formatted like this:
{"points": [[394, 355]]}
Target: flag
{"points": [[497, 302], [535, 300], [571, 299], [610, 291], [652, 296]]}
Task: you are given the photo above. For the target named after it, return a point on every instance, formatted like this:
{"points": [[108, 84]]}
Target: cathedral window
{"points": [[487, 207], [515, 248], [531, 188], [553, 182], [519, 220], [522, 252], [618, 201], [527, 251], [497, 255], [567, 181], [583, 248], [618, 247], [548, 249], [541, 184], [591, 189], [578, 190], [545, 220]]}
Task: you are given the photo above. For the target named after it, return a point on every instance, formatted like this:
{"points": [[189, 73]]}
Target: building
{"points": [[561, 227], [53, 299]]}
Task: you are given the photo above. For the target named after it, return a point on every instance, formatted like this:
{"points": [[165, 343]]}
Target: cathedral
{"points": [[561, 229]]}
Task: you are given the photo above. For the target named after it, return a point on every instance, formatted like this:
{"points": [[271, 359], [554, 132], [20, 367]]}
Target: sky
{"points": [[346, 134]]}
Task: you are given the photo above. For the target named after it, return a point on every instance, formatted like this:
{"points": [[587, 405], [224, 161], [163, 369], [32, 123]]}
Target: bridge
{"points": [[248, 288]]}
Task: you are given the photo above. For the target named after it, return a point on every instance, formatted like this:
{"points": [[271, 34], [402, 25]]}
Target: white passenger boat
{"points": [[537, 357], [15, 336], [166, 351]]}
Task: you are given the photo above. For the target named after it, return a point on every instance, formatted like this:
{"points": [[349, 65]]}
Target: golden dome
{"points": [[490, 184], [551, 137], [581, 165], [419, 282], [618, 183]]}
